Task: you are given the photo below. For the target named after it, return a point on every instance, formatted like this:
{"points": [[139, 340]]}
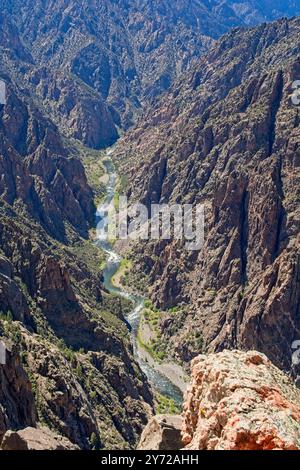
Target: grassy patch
{"points": [[155, 346], [122, 275], [195, 339], [165, 405]]}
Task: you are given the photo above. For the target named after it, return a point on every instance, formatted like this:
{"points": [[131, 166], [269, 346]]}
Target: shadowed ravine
{"points": [[159, 381]]}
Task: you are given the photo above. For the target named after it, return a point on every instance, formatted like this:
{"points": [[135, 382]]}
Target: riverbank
{"points": [[146, 340], [119, 279], [167, 379], [174, 372]]}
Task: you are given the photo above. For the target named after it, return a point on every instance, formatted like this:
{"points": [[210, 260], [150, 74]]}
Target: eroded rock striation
{"points": [[227, 137], [17, 404], [236, 401], [95, 65], [240, 401]]}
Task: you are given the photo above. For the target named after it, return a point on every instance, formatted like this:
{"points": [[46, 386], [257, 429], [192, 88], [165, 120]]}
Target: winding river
{"points": [[158, 380]]}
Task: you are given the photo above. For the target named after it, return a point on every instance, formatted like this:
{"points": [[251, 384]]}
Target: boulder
{"points": [[240, 401], [35, 439], [163, 432]]}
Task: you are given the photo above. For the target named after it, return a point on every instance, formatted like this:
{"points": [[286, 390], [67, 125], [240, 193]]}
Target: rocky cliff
{"points": [[94, 66], [71, 349], [227, 137], [68, 350], [240, 401], [236, 401]]}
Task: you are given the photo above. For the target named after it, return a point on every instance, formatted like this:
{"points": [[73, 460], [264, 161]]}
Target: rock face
{"points": [[95, 65], [236, 401], [240, 401], [227, 137], [35, 439], [82, 70], [71, 358], [38, 172], [163, 432], [15, 413]]}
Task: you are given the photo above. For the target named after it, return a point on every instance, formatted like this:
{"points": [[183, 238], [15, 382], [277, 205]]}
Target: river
{"points": [[159, 381]]}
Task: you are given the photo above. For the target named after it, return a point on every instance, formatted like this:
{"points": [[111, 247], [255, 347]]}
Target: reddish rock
{"points": [[240, 401]]}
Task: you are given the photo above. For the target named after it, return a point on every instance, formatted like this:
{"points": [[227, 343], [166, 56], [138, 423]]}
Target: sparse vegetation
{"points": [[94, 169], [122, 275], [154, 344], [166, 405], [87, 253]]}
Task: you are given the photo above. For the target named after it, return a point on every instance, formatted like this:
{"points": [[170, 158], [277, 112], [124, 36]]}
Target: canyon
{"points": [[197, 98], [226, 137], [94, 67]]}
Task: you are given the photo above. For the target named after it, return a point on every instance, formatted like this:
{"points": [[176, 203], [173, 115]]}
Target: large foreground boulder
{"points": [[163, 432], [35, 439], [240, 401]]}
